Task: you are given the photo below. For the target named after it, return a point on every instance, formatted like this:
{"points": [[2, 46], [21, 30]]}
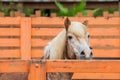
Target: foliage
{"points": [[6, 11], [44, 13], [80, 7], [28, 12], [99, 11], [61, 11]]}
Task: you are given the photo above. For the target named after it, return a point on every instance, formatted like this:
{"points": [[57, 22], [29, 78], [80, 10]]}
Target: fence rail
{"points": [[38, 69]]}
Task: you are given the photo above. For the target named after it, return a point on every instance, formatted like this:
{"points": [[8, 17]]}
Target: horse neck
{"points": [[58, 45]]}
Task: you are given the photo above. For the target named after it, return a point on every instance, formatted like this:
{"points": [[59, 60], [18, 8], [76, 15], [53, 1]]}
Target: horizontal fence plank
{"points": [[40, 42], [91, 20], [97, 20], [9, 31], [104, 42], [14, 53], [106, 53], [10, 20], [78, 66], [14, 66], [100, 76], [104, 31], [94, 31], [47, 20], [37, 53], [55, 31], [46, 31], [9, 42], [88, 66]]}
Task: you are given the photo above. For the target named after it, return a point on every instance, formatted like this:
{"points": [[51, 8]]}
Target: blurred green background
{"points": [[60, 11]]}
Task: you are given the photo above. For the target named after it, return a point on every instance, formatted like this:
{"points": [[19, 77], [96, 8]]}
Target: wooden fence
{"points": [[22, 40]]}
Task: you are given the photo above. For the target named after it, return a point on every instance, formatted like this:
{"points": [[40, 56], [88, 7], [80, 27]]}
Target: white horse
{"points": [[71, 43], [77, 40]]}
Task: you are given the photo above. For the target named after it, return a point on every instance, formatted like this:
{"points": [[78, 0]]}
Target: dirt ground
{"points": [[14, 76]]}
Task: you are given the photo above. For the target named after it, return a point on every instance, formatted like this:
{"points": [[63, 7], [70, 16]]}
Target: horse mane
{"points": [[55, 48]]}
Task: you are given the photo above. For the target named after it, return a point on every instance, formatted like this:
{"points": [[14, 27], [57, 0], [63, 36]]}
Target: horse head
{"points": [[77, 40], [71, 43]]}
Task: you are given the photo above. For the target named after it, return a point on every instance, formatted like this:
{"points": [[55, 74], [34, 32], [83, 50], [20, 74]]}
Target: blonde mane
{"points": [[56, 47]]}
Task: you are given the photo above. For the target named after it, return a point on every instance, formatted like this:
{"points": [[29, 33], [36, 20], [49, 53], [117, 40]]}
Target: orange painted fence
{"points": [[24, 38]]}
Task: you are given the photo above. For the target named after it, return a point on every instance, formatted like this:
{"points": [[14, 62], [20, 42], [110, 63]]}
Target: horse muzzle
{"points": [[86, 54]]}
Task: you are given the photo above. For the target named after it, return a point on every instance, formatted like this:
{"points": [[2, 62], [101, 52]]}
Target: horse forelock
{"points": [[77, 29]]}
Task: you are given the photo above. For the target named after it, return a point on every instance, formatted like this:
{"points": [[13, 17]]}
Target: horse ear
{"points": [[85, 22], [67, 23]]}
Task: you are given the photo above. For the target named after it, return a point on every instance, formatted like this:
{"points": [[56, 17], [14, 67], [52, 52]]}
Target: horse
{"points": [[71, 43]]}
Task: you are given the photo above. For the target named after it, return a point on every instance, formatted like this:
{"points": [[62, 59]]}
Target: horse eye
{"points": [[91, 47], [88, 36], [70, 37]]}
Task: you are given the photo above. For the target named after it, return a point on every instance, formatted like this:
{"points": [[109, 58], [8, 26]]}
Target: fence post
{"points": [[25, 38], [43, 70], [37, 71]]}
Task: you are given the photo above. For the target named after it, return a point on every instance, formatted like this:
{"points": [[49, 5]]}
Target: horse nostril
{"points": [[91, 53], [82, 53]]}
